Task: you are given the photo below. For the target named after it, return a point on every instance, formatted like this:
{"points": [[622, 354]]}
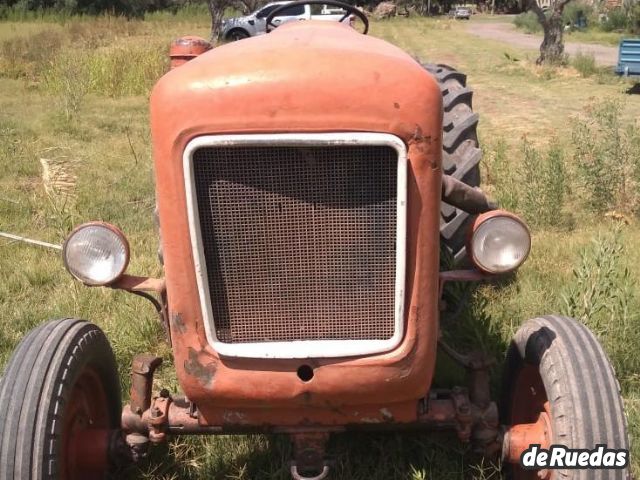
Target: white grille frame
{"points": [[301, 348]]}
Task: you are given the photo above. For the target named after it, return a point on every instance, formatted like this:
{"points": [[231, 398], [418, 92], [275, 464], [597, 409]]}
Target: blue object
{"points": [[629, 58], [581, 23]]}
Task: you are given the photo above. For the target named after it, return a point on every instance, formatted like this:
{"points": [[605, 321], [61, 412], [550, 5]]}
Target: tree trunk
{"points": [[216, 10], [552, 47]]}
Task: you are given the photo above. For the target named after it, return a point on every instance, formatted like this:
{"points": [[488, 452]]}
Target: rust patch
{"points": [[204, 373], [417, 134], [420, 141], [178, 322]]}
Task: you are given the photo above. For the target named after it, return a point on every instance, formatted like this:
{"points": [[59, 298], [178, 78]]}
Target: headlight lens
{"points": [[96, 253], [500, 242]]}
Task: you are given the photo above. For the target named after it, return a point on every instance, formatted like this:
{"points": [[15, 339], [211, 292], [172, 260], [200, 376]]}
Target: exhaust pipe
{"points": [[468, 199]]}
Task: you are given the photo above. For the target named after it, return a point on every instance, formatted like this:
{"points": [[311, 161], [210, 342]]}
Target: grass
{"points": [[595, 35], [104, 145], [585, 64]]}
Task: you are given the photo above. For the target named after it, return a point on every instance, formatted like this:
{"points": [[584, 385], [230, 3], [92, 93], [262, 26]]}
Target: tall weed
{"points": [[501, 175], [130, 70], [544, 183], [533, 183], [68, 79], [102, 30], [608, 164], [29, 56], [114, 71], [602, 296], [113, 65]]}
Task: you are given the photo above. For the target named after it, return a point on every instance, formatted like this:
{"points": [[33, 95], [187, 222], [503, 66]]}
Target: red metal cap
{"points": [[186, 48]]}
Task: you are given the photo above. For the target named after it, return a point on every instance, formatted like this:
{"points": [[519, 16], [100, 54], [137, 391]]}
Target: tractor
{"points": [[308, 182]]}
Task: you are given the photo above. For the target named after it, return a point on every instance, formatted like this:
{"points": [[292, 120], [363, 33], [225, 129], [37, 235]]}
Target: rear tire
{"points": [[461, 153], [555, 365], [60, 384]]}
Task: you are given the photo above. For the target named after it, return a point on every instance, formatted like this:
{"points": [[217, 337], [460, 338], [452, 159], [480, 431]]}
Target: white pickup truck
{"points": [[255, 23]]}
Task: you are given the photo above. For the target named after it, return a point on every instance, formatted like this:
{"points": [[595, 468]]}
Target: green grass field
{"points": [[76, 95]]}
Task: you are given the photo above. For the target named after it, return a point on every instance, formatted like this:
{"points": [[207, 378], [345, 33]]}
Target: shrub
{"points": [[528, 22], [68, 79], [585, 64], [634, 19], [616, 21], [608, 165], [533, 184], [573, 12]]}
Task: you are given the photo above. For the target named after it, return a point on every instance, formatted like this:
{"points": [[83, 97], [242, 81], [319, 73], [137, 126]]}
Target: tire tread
{"points": [[461, 151]]}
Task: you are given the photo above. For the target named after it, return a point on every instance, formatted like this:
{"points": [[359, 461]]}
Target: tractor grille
{"points": [[299, 241]]}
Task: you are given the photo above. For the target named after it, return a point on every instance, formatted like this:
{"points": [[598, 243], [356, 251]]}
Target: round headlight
{"points": [[500, 242], [96, 253]]}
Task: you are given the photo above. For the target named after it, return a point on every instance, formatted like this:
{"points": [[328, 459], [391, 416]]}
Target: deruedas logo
{"points": [[559, 456]]}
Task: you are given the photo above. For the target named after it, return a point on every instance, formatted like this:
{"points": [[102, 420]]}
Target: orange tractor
{"points": [[307, 182]]}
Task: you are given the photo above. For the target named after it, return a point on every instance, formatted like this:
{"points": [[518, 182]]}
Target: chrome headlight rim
{"points": [[121, 236], [483, 220]]}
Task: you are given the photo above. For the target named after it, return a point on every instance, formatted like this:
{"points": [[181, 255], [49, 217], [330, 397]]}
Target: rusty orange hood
{"points": [[304, 76]]}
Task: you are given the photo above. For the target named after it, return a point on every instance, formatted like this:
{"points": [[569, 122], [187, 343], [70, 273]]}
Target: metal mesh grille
{"points": [[299, 242]]}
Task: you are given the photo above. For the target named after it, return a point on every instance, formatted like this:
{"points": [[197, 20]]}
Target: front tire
{"points": [[60, 397], [555, 368], [237, 34]]}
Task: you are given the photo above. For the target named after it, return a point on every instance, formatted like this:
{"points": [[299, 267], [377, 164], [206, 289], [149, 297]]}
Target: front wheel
{"points": [[60, 397], [560, 389], [238, 34]]}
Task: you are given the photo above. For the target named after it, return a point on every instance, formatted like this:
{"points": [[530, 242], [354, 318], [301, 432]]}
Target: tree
{"points": [[552, 47], [216, 10], [249, 6]]}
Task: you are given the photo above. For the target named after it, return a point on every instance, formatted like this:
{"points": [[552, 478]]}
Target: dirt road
{"points": [[507, 33]]}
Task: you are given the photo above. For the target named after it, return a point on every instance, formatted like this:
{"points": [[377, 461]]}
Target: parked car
{"points": [[255, 23], [460, 13]]}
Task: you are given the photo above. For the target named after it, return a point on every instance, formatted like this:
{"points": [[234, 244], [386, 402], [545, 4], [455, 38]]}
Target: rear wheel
{"points": [[60, 397], [560, 389], [461, 153]]}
